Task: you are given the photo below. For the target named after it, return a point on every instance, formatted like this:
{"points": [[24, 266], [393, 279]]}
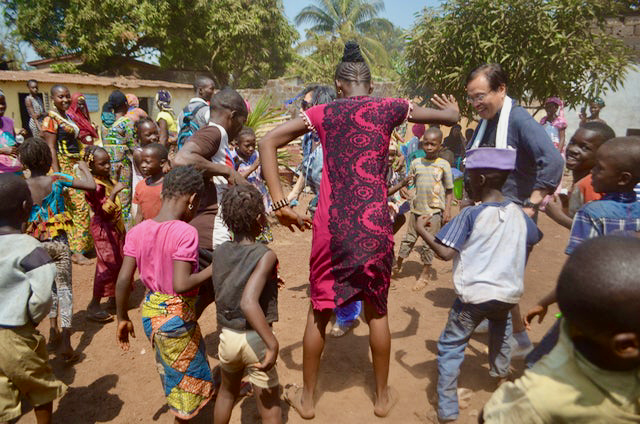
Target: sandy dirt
{"points": [[110, 385]]}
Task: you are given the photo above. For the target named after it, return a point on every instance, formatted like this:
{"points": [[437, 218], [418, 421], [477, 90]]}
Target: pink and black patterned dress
{"points": [[352, 247]]}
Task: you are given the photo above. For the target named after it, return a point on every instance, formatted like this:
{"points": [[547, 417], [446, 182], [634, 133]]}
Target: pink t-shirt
{"points": [[155, 245]]}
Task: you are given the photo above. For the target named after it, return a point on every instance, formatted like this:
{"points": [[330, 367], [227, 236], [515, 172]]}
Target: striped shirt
{"points": [[432, 179], [616, 213]]}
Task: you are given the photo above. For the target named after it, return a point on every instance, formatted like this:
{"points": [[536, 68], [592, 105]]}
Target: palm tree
{"points": [[343, 20]]}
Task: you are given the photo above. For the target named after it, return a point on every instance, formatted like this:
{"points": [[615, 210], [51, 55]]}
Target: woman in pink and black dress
{"points": [[352, 247]]}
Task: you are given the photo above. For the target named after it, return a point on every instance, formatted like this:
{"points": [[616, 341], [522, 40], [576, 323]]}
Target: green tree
{"points": [[240, 42], [548, 47], [334, 22]]}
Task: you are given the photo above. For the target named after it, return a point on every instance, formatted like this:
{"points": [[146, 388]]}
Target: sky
{"points": [[400, 12]]}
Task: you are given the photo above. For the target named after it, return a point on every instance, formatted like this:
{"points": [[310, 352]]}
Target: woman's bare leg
{"points": [[312, 347]]}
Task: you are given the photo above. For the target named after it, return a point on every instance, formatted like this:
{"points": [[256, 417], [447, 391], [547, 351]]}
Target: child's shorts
{"points": [[241, 349], [25, 371]]}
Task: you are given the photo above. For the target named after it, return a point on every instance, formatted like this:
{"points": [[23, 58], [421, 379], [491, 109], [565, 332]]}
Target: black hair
{"points": [[435, 130], [14, 190], [323, 94], [58, 87], [90, 152], [353, 67], [494, 178], [598, 290], [467, 131], [158, 149], [230, 99], [241, 205], [142, 121], [117, 100], [107, 108], [496, 76], [201, 81], [604, 131], [625, 152], [308, 89], [31, 81], [458, 126], [182, 181], [246, 131], [35, 155]]}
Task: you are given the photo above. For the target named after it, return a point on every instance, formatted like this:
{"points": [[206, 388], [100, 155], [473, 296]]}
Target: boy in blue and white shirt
{"points": [[488, 243]]}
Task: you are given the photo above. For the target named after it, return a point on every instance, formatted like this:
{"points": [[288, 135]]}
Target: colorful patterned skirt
{"points": [[170, 324], [76, 205], [121, 158]]}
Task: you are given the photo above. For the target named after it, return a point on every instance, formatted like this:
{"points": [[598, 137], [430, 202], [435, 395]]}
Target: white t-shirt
{"points": [[492, 240]]}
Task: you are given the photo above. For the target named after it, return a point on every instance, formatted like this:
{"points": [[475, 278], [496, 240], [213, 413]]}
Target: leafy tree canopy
{"points": [[334, 22], [243, 42], [548, 47]]}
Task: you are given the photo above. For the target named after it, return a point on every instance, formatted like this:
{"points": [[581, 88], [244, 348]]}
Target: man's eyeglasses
{"points": [[479, 98]]}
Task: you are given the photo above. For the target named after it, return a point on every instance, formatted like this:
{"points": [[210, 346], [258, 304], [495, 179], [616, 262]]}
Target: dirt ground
{"points": [[110, 385]]}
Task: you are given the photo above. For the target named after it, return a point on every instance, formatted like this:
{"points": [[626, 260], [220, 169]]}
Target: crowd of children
{"points": [[149, 200]]}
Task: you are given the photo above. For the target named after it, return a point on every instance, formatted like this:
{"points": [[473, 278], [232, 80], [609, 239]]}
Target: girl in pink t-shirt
{"points": [[165, 251]]}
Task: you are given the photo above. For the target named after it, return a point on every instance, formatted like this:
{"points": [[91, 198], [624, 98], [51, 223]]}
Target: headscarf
{"points": [[559, 122], [134, 113], [81, 117], [598, 101], [418, 130], [117, 99], [163, 100], [107, 116]]}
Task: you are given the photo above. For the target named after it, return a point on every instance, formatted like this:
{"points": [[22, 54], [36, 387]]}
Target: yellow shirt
{"points": [[171, 120], [564, 387]]}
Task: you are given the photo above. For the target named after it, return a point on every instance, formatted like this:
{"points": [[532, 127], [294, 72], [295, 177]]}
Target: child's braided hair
{"points": [[181, 181], [89, 153], [241, 205]]}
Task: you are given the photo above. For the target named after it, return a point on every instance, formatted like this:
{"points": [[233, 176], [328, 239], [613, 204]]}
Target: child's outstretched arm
{"points": [[402, 183], [445, 252], [253, 312], [555, 212], [448, 113], [123, 290], [540, 309], [184, 280], [87, 182]]}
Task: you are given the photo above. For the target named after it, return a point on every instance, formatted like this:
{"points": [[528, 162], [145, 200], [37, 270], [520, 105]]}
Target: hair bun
{"points": [[352, 52]]}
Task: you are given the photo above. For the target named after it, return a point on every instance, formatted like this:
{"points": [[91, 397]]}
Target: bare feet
{"points": [[293, 396], [398, 266], [54, 338], [383, 406], [80, 259], [420, 284]]}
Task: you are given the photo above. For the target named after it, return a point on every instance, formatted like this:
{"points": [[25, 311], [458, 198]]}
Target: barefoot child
{"points": [[26, 276], [165, 251], [148, 191], [107, 230], [581, 158], [246, 286], [352, 246], [434, 192], [591, 376], [489, 243], [50, 223]]}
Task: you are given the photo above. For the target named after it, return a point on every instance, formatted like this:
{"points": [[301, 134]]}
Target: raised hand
{"points": [[539, 311], [445, 102]]}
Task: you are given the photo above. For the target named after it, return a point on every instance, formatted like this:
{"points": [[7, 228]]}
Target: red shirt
{"points": [[148, 199]]}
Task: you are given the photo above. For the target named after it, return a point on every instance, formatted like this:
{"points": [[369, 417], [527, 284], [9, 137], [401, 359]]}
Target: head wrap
{"points": [[81, 117], [598, 101], [559, 121], [163, 100], [418, 130], [117, 99], [132, 101]]}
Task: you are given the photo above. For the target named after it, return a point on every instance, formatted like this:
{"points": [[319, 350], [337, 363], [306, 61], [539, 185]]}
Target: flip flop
{"points": [[293, 396], [393, 395], [99, 316]]}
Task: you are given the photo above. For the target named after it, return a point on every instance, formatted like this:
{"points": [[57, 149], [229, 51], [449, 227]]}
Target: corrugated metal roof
{"points": [[86, 79]]}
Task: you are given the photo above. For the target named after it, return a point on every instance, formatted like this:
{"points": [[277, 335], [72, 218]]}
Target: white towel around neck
{"points": [[503, 126]]}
